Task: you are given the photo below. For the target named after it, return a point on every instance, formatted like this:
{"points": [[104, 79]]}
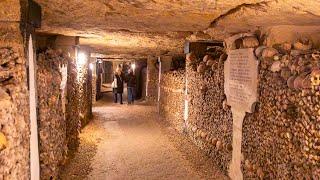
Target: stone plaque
{"points": [[241, 79], [241, 84]]}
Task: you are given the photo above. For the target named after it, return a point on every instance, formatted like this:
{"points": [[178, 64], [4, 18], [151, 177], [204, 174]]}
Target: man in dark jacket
{"points": [[131, 84]]}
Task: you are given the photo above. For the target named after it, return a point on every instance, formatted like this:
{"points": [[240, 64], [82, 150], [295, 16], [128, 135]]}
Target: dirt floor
{"points": [[131, 142]]}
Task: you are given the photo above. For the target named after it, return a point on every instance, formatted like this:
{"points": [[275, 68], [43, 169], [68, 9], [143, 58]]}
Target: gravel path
{"points": [[130, 142]]}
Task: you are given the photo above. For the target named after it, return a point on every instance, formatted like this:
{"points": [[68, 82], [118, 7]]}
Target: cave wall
{"points": [[14, 101], [171, 105]]}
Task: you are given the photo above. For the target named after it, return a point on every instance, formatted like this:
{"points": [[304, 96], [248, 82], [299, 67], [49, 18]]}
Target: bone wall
{"points": [[172, 98], [14, 101], [93, 69], [52, 123], [281, 138], [94, 89], [73, 124], [85, 92], [72, 91], [209, 124]]}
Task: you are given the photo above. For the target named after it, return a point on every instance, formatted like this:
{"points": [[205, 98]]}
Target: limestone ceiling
{"points": [[246, 17], [160, 26]]}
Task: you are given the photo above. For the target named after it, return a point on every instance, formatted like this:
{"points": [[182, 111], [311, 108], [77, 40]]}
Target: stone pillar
{"points": [[152, 79], [93, 68], [66, 44], [14, 106], [99, 79], [85, 86], [165, 65]]}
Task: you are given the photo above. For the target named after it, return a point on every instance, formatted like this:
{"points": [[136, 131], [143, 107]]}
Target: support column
{"points": [[152, 79], [68, 44], [164, 66], [93, 69], [85, 84]]}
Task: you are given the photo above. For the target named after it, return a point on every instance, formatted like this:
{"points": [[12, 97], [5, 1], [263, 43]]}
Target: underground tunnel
{"points": [[156, 89]]}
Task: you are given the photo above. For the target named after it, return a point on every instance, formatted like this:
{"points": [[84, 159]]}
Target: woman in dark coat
{"points": [[118, 90]]}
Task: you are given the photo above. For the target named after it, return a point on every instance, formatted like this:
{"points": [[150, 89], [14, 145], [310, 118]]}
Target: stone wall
{"points": [[52, 123], [14, 101], [281, 138], [152, 80], [172, 98]]}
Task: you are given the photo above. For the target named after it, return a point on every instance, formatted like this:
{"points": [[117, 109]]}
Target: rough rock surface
{"points": [[14, 103], [155, 25], [10, 11], [172, 98], [139, 44], [263, 14]]}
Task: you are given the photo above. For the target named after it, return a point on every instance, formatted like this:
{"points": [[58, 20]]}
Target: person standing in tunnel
{"points": [[131, 84], [117, 86], [114, 87]]}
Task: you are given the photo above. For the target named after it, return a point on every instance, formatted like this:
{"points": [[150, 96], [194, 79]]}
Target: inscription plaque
{"points": [[241, 79], [240, 86]]}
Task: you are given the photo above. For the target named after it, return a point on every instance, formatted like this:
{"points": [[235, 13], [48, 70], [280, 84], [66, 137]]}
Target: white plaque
{"points": [[240, 86]]}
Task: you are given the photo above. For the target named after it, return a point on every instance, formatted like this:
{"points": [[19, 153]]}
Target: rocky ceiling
{"points": [[144, 27]]}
